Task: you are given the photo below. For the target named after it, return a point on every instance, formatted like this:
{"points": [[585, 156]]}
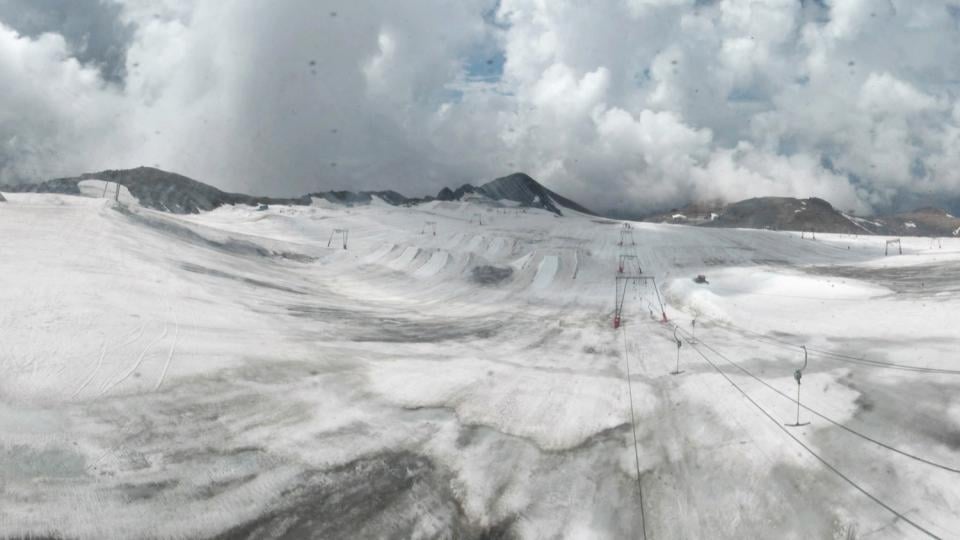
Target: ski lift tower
{"points": [[343, 236], [626, 235], [629, 262], [623, 283], [886, 248], [679, 344], [116, 193], [798, 374]]}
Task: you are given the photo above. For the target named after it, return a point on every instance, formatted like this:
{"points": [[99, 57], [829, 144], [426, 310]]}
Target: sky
{"points": [[622, 105]]}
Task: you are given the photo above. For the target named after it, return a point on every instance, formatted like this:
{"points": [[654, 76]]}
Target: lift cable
{"points": [[633, 425], [849, 358], [809, 450], [827, 418]]}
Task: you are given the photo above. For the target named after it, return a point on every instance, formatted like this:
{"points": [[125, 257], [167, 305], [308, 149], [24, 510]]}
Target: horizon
{"points": [[625, 214]]}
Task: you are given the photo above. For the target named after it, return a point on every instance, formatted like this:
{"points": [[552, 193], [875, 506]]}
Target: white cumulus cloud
{"points": [[627, 105]]}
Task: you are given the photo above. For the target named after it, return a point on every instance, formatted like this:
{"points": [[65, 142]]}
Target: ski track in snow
{"points": [[103, 352], [93, 372], [173, 347], [136, 365]]}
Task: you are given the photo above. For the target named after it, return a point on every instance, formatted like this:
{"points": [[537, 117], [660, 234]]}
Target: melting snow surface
{"points": [[228, 374]]}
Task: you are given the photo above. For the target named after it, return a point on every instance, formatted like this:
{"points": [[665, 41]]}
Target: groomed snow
{"points": [[229, 374]]}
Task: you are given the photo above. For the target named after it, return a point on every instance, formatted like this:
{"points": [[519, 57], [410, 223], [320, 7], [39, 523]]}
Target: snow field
{"points": [[157, 366]]}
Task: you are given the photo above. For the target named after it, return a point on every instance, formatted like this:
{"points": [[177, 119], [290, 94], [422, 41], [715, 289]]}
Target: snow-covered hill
{"points": [[238, 373]]}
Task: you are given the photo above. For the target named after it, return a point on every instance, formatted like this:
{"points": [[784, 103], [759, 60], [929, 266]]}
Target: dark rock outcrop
{"points": [[785, 213], [921, 222], [60, 185], [774, 213], [789, 214], [445, 195], [519, 188]]}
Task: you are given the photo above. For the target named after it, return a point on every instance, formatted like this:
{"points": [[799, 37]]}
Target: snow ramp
{"points": [[405, 259], [546, 272], [436, 263]]}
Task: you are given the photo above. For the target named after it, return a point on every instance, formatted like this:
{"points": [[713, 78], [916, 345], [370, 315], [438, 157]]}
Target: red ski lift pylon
{"points": [[622, 284]]}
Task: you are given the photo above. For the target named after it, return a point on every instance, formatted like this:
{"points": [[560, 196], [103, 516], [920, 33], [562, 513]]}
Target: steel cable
{"points": [[825, 417], [809, 450], [848, 358], [633, 425]]}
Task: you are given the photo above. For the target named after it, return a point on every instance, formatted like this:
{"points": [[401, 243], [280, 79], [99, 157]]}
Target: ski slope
{"points": [[230, 374]]}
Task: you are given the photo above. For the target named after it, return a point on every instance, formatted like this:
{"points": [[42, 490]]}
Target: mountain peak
{"points": [[520, 187], [516, 178]]}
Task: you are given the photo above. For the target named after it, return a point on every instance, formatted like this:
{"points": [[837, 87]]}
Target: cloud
{"points": [[92, 29], [54, 109], [630, 105]]}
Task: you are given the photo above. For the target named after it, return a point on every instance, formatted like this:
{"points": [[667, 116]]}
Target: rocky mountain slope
{"points": [[517, 187], [171, 192], [921, 222], [786, 213], [155, 188]]}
